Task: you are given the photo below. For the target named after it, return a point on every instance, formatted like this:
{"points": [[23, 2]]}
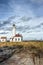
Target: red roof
{"points": [[18, 35]]}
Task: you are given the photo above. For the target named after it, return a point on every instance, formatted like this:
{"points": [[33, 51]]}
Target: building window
{"points": [[15, 39], [18, 39]]}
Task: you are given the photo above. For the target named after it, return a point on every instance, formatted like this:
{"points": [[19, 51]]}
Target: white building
{"points": [[17, 38], [3, 39]]}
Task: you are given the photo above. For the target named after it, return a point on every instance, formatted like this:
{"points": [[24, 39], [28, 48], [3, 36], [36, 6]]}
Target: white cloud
{"points": [[37, 1], [21, 9], [30, 29]]}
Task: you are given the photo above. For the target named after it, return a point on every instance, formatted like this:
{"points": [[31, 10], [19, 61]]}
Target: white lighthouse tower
{"points": [[14, 30]]}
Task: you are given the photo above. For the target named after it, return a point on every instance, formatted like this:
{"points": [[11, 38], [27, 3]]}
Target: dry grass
{"points": [[28, 43]]}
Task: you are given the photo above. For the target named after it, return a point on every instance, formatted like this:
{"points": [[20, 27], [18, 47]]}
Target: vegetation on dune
{"points": [[28, 43]]}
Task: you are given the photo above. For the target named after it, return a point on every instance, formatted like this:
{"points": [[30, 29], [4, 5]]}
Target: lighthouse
{"points": [[15, 37], [14, 30]]}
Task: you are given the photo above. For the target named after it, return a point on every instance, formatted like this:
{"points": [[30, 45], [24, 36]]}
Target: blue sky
{"points": [[29, 13]]}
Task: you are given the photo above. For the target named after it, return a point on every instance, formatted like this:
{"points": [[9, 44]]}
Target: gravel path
{"points": [[22, 57], [19, 59]]}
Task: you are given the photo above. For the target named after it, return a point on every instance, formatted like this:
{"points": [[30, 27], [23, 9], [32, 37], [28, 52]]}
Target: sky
{"points": [[27, 15]]}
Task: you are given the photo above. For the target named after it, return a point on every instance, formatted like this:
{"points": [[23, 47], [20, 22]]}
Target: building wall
{"points": [[11, 40], [17, 39], [3, 40]]}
